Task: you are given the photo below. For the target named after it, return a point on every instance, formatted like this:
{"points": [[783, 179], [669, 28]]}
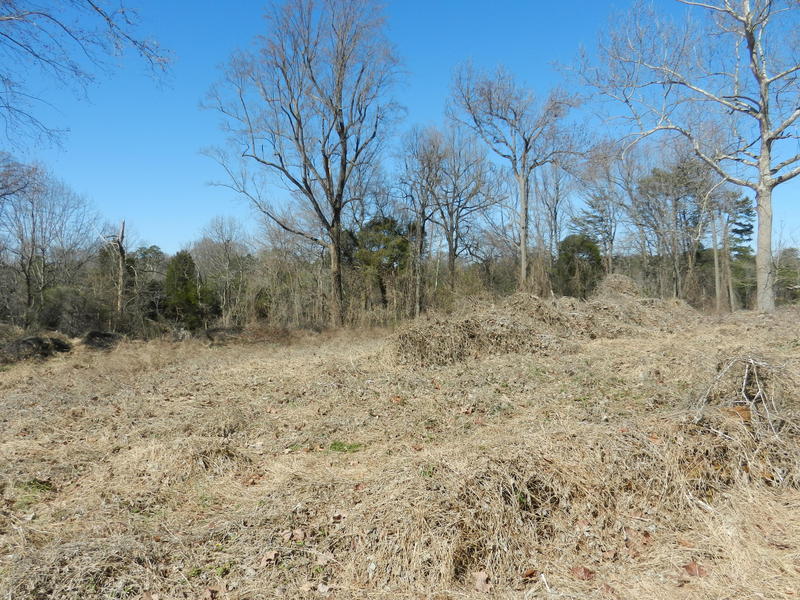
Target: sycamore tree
{"points": [[725, 77]]}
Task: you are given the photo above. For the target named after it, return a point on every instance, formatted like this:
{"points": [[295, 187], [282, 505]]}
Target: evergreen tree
{"points": [[182, 290], [382, 251], [579, 266]]}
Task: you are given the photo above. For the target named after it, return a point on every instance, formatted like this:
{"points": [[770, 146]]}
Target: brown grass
{"points": [[631, 467]]}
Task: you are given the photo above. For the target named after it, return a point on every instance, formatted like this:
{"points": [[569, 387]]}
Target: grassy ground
{"points": [[605, 467]]}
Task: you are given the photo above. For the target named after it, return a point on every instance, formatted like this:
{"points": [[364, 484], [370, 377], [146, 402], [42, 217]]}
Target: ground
{"points": [[635, 465]]}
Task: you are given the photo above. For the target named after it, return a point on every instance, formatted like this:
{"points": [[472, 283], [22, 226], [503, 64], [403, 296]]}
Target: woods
{"points": [[366, 218]]}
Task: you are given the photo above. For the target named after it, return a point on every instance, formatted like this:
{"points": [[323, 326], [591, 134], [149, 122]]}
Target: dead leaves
{"points": [[322, 588], [269, 558], [296, 535], [215, 592], [481, 581], [694, 569], [582, 573], [739, 410]]}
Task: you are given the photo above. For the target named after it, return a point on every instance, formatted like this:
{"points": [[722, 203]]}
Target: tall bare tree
{"points": [[309, 108], [422, 156], [467, 188], [68, 40], [553, 186], [728, 82], [516, 126], [221, 259], [601, 187]]}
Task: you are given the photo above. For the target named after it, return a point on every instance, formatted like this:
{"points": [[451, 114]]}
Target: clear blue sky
{"points": [[134, 146]]}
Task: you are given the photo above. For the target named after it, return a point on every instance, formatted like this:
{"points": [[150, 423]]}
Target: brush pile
{"points": [[525, 323]]}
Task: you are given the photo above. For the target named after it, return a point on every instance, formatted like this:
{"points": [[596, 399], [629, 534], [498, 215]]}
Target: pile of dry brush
{"points": [[528, 323]]}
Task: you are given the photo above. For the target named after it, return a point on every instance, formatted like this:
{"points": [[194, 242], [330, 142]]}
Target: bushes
{"points": [[72, 311]]}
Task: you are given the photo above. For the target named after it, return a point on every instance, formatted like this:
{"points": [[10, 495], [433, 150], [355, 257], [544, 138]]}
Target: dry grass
{"points": [[635, 466]]}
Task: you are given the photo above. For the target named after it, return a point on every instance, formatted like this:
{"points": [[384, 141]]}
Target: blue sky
{"points": [[134, 145]]}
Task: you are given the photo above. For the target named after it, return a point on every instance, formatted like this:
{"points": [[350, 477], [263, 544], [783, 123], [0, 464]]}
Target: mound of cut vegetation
{"points": [[33, 347], [528, 323], [102, 340]]}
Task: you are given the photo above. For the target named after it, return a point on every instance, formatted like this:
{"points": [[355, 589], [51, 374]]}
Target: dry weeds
{"points": [[642, 464]]}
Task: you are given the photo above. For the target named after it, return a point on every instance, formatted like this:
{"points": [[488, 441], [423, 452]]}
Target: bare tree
{"points": [[516, 126], [308, 107], [68, 40], [47, 230], [467, 188], [116, 242], [602, 189], [553, 190], [221, 258], [727, 82], [422, 156]]}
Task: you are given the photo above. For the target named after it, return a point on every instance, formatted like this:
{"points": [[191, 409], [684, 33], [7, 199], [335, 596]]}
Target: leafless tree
{"points": [[516, 126], [308, 107], [728, 82], [48, 232], [69, 40], [553, 186], [422, 156], [601, 183], [220, 256], [467, 188]]}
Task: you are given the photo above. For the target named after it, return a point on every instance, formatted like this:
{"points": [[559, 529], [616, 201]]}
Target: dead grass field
{"points": [[659, 461]]}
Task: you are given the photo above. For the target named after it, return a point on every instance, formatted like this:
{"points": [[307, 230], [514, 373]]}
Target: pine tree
{"points": [[182, 290]]}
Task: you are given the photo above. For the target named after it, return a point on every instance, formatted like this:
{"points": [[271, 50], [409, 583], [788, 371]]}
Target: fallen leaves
{"points": [[582, 573], [296, 535], [213, 592], [694, 569], [739, 410], [481, 581], [269, 558]]}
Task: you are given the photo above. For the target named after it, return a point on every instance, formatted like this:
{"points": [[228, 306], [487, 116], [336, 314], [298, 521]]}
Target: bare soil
{"points": [[651, 458]]}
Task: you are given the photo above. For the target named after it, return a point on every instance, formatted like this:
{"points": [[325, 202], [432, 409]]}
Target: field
{"points": [[623, 448]]}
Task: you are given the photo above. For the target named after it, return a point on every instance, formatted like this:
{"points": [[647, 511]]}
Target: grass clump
{"points": [[339, 446]]}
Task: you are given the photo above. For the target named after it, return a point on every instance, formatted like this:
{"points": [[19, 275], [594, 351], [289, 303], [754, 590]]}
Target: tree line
{"points": [[376, 221]]}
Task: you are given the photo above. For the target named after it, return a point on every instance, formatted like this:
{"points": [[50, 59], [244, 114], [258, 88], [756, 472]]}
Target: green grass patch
{"points": [[338, 446]]}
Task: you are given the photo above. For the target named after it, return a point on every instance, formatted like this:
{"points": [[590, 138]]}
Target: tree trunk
{"points": [[451, 263], [717, 274], [120, 247], [726, 260], [522, 183], [418, 271], [337, 291], [765, 269]]}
